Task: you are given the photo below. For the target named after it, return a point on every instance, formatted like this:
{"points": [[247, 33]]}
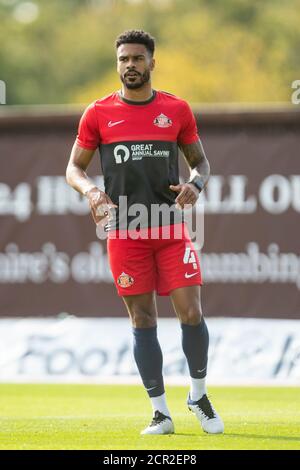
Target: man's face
{"points": [[134, 65]]}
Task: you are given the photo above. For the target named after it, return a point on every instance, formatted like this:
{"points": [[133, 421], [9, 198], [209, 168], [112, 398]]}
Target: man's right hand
{"points": [[100, 205]]}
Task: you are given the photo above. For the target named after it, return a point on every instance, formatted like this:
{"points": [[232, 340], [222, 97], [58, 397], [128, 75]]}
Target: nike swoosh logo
{"points": [[152, 388], [190, 275], [111, 124]]}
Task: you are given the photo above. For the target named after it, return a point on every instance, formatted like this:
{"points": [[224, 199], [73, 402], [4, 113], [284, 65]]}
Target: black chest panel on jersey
{"points": [[140, 172]]}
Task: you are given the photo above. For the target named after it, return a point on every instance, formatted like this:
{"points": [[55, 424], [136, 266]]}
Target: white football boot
{"points": [[161, 424], [206, 415]]}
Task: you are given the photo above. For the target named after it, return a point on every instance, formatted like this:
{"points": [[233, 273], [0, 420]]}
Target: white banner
{"points": [[70, 349]]}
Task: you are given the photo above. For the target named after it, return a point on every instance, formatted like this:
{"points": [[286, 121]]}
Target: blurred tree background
{"points": [[62, 51]]}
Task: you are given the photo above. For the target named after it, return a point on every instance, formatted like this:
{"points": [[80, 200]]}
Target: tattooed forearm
{"points": [[196, 160]]}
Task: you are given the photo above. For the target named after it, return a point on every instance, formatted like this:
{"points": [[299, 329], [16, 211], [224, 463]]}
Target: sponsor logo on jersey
{"points": [[124, 280], [121, 153], [162, 121], [138, 151]]}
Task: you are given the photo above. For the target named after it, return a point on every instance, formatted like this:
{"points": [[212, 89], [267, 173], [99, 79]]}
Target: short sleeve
{"points": [[88, 131], [188, 133]]}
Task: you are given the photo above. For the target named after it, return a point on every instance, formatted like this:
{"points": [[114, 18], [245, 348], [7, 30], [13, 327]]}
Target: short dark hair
{"points": [[136, 36]]}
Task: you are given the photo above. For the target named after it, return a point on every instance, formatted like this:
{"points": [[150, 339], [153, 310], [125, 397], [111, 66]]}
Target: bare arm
{"points": [[199, 174], [76, 177]]}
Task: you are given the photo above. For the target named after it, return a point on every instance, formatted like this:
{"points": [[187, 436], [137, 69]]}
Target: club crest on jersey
{"points": [[124, 280], [162, 121]]}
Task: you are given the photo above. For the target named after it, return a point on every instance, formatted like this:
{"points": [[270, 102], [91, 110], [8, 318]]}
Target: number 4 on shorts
{"points": [[189, 257]]}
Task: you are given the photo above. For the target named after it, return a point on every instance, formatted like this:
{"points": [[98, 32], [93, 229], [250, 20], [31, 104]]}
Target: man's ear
{"points": [[152, 66]]}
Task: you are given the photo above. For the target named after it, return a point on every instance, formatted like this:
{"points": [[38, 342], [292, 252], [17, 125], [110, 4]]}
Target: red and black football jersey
{"points": [[138, 144]]}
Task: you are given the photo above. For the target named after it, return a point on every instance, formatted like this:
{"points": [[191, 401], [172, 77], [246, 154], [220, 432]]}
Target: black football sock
{"points": [[195, 340], [149, 360]]}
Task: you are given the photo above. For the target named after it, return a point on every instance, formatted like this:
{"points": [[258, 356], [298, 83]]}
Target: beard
{"points": [[137, 82]]}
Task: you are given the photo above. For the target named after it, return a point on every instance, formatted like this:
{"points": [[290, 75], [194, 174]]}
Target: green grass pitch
{"points": [[111, 417]]}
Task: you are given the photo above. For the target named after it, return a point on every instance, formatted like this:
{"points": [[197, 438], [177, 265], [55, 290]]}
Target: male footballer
{"points": [[138, 131]]}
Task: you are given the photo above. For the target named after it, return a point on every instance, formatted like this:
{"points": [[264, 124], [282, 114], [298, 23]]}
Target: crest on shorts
{"points": [[162, 121], [124, 280]]}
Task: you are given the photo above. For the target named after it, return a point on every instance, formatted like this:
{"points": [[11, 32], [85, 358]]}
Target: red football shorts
{"points": [[152, 262]]}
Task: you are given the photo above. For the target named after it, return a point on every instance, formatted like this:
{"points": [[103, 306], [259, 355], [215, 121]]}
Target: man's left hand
{"points": [[188, 194]]}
